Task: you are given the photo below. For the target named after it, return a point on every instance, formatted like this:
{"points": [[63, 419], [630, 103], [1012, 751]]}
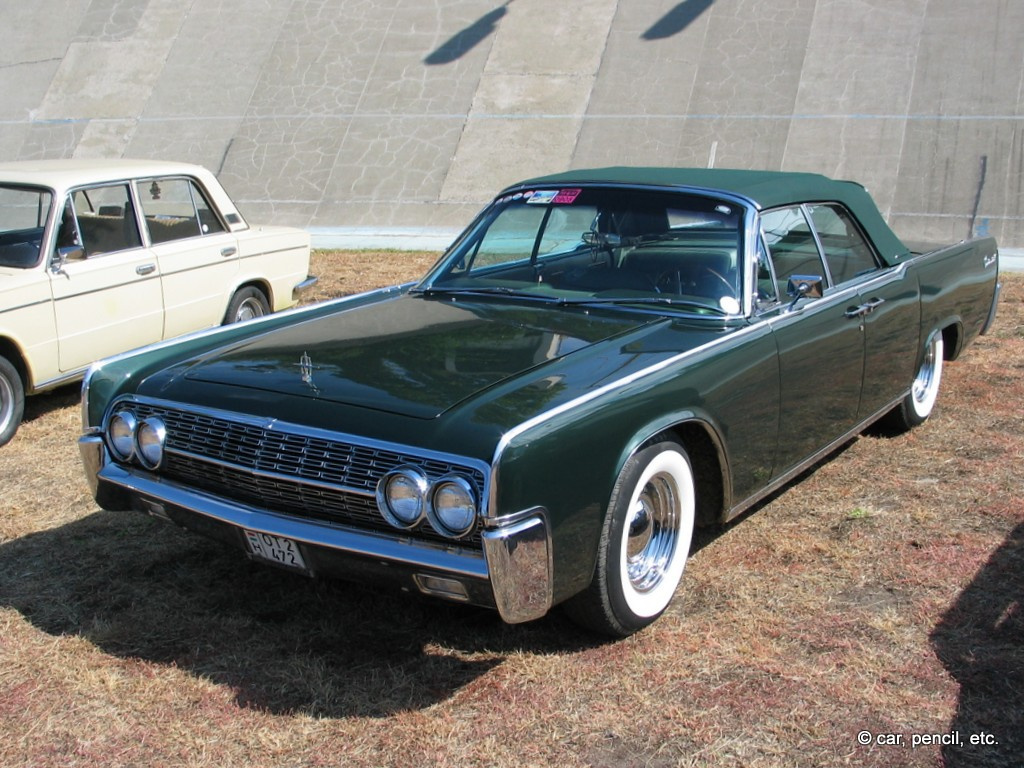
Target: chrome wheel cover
{"points": [[249, 309], [652, 532]]}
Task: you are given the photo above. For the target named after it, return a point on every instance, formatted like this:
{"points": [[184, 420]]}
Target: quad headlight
{"points": [[405, 496], [402, 496], [452, 508], [121, 435], [128, 439], [149, 442]]}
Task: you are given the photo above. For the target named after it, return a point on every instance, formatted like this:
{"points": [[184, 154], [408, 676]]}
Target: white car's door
{"points": [[197, 256], [107, 294]]}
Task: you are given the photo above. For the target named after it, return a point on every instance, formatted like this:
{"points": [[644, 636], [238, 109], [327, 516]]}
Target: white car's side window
{"points": [[175, 209], [101, 220]]}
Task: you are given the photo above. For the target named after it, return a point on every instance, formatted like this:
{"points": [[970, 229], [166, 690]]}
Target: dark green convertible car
{"points": [[603, 360]]}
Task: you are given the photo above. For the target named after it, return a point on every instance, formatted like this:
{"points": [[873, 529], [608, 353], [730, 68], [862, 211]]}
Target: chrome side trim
{"points": [[47, 300], [462, 563], [519, 560], [515, 432]]}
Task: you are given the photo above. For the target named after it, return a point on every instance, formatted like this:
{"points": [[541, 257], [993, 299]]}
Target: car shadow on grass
{"points": [[980, 642], [139, 588], [39, 405]]}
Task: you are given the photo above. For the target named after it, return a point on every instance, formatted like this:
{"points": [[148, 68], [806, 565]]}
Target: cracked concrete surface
{"points": [[408, 115]]}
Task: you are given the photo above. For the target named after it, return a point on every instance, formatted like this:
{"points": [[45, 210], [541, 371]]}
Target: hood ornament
{"points": [[306, 369]]}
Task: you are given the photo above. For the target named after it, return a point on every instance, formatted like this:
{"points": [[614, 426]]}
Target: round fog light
{"points": [[402, 496], [121, 435], [149, 442], [453, 506]]}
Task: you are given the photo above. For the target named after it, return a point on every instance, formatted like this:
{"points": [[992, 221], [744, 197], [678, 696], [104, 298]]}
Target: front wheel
{"points": [[247, 303], [644, 543], [917, 406], [12, 401]]}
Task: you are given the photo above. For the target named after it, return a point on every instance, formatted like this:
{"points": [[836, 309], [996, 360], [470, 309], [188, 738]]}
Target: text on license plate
{"points": [[275, 549]]}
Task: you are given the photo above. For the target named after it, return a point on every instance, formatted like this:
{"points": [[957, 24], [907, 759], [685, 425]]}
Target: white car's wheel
{"points": [[12, 401], [644, 543], [246, 304]]}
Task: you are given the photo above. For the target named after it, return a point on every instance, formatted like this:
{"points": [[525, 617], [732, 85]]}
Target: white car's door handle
{"points": [[229, 251], [145, 269]]}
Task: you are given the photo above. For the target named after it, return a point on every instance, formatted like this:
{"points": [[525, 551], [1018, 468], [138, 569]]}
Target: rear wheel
{"points": [[917, 406], [247, 303], [12, 400], [644, 543]]}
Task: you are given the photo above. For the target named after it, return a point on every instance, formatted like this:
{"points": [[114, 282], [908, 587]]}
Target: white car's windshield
{"points": [[23, 214], [606, 244]]}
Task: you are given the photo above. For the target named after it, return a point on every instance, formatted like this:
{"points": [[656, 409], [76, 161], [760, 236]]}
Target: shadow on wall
{"points": [[462, 42], [980, 641], [465, 40], [677, 19]]}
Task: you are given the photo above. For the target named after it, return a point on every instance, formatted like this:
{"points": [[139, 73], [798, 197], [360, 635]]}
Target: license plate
{"points": [[275, 549]]}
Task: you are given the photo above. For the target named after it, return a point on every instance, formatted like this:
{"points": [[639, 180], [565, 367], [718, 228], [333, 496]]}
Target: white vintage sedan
{"points": [[101, 256]]}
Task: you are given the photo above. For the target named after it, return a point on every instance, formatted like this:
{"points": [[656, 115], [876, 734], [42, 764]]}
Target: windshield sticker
{"points": [[567, 196], [543, 197]]}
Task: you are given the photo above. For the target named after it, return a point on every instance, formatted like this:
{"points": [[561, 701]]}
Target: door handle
{"points": [[145, 269], [228, 251], [864, 309]]}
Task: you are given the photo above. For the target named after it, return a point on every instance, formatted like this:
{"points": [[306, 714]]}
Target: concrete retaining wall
{"points": [[380, 115]]}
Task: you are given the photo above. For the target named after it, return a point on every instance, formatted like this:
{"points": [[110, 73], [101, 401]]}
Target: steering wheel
{"points": [[721, 278]]}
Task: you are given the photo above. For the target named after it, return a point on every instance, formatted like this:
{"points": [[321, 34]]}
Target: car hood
{"points": [[413, 356]]}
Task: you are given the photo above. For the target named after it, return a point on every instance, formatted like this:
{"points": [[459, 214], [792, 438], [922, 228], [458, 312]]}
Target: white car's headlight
{"points": [[150, 437], [121, 435], [453, 506], [402, 496]]}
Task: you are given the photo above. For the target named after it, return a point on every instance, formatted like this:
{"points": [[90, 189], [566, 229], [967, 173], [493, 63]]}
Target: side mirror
{"points": [[805, 287], [62, 255]]}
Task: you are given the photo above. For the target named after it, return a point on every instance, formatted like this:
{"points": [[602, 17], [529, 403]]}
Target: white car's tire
{"points": [[12, 400]]}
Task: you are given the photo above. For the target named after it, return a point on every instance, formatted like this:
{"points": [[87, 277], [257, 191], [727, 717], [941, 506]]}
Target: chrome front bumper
{"points": [[513, 573]]}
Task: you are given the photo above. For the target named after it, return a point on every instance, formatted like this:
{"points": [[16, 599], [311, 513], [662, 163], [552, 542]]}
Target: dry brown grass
{"points": [[881, 593]]}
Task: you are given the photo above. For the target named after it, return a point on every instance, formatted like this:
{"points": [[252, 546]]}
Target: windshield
{"points": [[23, 213], [602, 244]]}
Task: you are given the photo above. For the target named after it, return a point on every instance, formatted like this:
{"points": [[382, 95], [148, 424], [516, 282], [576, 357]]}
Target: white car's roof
{"points": [[62, 174]]}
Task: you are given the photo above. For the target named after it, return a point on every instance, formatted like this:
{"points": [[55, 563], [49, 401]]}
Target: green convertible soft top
{"points": [[765, 189]]}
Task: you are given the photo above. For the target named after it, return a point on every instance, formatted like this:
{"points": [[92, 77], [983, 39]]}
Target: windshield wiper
{"points": [[483, 290], [658, 300]]}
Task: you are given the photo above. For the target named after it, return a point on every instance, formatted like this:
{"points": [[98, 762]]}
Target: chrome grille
{"points": [[287, 471]]}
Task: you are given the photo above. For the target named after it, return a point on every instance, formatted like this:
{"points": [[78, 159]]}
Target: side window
{"points": [[766, 292], [846, 251], [791, 245], [105, 220], [175, 209]]}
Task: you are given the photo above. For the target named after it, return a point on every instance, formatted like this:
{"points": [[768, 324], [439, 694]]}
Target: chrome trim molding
{"points": [[519, 560], [506, 439], [463, 563]]}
